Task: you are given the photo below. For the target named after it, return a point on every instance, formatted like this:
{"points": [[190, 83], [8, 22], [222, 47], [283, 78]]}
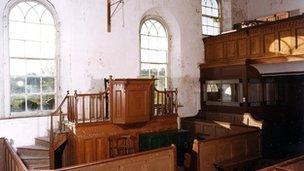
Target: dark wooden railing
{"points": [[9, 160], [165, 103]]}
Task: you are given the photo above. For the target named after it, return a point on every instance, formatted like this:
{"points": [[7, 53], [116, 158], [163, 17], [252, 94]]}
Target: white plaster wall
{"points": [[88, 53], [260, 8]]}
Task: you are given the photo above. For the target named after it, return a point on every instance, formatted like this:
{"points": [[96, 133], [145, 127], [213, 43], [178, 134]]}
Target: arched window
{"points": [[210, 17], [32, 48], [154, 52]]}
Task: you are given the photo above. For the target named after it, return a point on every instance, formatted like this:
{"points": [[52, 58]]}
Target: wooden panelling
{"points": [[255, 46], [269, 43], [91, 141], [101, 150], [131, 100], [242, 47], [89, 150], [231, 49], [273, 42], [286, 42], [300, 39], [154, 160]]}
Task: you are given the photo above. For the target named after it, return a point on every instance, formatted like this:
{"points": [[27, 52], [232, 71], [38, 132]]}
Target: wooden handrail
{"points": [[12, 161]]}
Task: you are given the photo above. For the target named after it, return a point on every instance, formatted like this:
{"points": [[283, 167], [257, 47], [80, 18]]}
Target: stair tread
{"points": [[46, 139], [38, 166], [34, 147], [28, 157]]}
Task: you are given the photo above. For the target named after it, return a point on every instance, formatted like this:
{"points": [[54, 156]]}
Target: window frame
{"points": [[6, 91], [209, 16], [166, 28]]}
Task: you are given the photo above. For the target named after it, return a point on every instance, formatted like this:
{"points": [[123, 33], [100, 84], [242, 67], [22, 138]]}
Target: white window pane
{"points": [[33, 103], [16, 48], [214, 4], [215, 12], [144, 70], [153, 31], [32, 16], [153, 42], [48, 84], [18, 103], [162, 70], [162, 43], [39, 9], [162, 32], [208, 11], [144, 41], [47, 18], [33, 67], [33, 85], [48, 33], [32, 49], [24, 7], [48, 50], [144, 55], [158, 56], [144, 29], [17, 84], [48, 102], [16, 30], [16, 14], [32, 32], [17, 67], [48, 68]]}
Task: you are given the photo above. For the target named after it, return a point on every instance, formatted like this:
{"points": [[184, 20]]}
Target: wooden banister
{"points": [[9, 159]]}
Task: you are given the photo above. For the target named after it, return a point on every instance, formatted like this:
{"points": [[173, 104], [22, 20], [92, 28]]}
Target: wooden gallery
{"points": [[198, 85]]}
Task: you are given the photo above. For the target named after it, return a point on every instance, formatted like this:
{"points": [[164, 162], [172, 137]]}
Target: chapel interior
{"points": [[152, 85]]}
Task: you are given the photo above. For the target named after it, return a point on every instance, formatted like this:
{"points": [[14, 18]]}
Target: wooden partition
{"points": [[9, 160], [154, 160]]}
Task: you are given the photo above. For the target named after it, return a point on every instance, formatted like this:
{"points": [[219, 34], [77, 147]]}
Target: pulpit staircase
{"points": [[81, 109]]}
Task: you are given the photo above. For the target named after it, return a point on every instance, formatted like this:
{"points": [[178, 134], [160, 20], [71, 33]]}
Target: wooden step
{"points": [[33, 150], [39, 167], [30, 160], [43, 141]]}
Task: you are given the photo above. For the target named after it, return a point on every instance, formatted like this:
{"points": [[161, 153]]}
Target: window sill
{"points": [[24, 117]]}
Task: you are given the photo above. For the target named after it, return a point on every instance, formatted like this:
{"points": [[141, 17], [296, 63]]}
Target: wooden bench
{"points": [[238, 163]]}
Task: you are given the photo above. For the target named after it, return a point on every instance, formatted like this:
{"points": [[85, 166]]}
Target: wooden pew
{"points": [[225, 146], [295, 164], [159, 159]]}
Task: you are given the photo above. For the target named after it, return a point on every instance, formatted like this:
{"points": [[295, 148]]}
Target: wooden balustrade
{"points": [[9, 160], [165, 103]]}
